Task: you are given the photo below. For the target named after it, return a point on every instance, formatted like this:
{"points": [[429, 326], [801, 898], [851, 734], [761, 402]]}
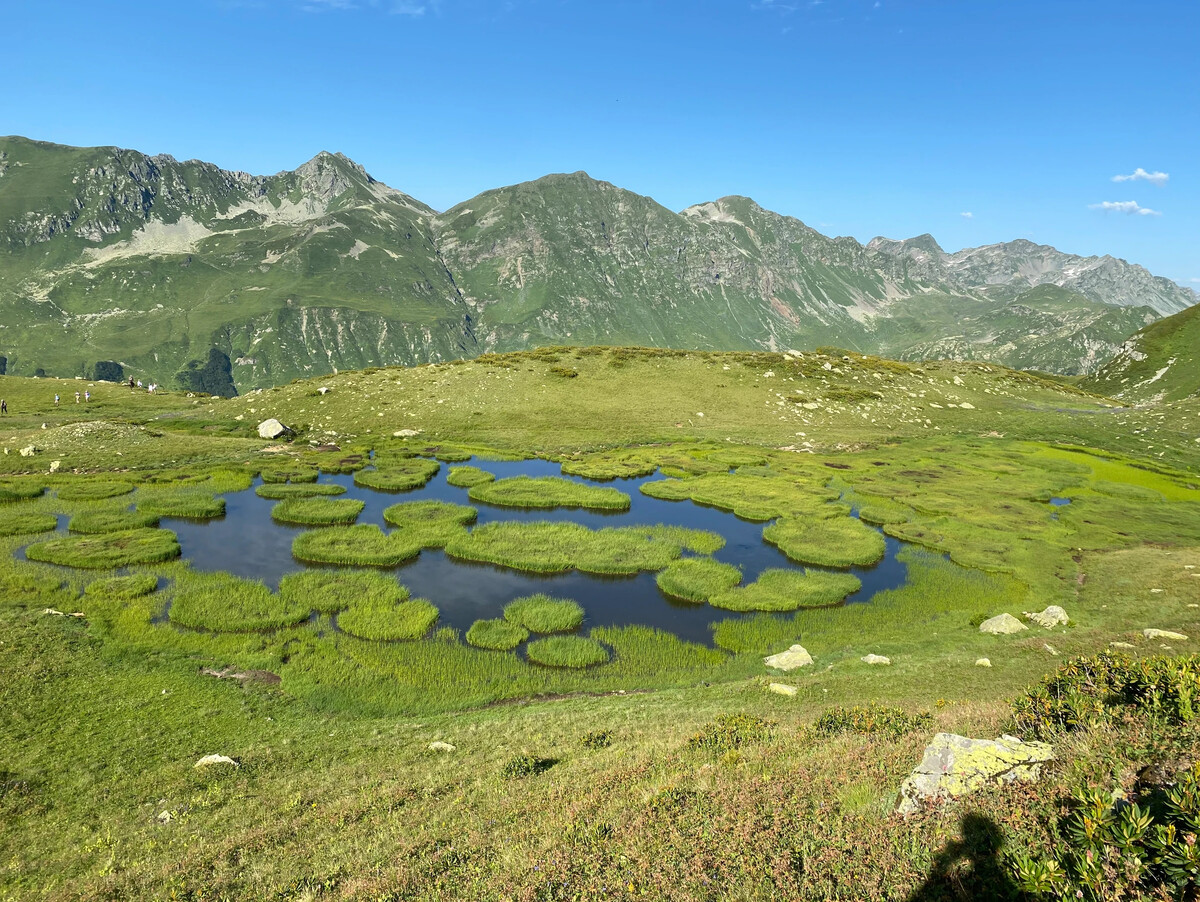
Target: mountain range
{"points": [[169, 267]]}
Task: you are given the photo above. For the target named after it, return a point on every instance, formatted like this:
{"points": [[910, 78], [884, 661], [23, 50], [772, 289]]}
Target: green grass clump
{"points": [[114, 549], [871, 719], [136, 585], [399, 475], [289, 474], [548, 492], [288, 490], [574, 652], [407, 620], [750, 497], [431, 523], [117, 520], [20, 491], [21, 584], [317, 511], [612, 465], [731, 731], [788, 590], [498, 634], [526, 766], [27, 523], [330, 591], [543, 614], [596, 739], [833, 542], [466, 477], [92, 491], [183, 506], [355, 546], [698, 579], [559, 547], [229, 604]]}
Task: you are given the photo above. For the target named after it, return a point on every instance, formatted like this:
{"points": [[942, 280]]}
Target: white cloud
{"points": [[967, 215], [1141, 175], [1197, 281], [1124, 206]]}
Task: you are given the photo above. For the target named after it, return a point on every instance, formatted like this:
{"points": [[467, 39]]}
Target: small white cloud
{"points": [[967, 215], [1124, 206], [1141, 175], [1196, 281]]}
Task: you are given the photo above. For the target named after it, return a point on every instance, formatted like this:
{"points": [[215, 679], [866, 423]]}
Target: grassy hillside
{"points": [[1158, 363]]}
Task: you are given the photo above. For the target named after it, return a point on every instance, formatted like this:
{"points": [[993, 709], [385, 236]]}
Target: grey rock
{"points": [[439, 746], [1049, 618], [1164, 634], [954, 765], [272, 428], [1002, 625], [983, 662], [210, 760], [796, 656], [876, 659]]}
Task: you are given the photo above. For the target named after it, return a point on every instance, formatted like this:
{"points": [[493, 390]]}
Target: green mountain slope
{"points": [[1159, 363]]}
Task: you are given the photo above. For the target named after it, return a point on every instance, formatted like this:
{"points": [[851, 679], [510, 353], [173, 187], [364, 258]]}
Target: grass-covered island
{"points": [[362, 723]]}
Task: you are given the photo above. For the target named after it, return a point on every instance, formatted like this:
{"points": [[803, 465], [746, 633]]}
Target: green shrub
{"points": [[543, 614], [355, 546], [330, 591], [400, 476], [698, 579], [385, 622], [27, 523], [596, 739], [114, 549], [92, 491], [871, 719], [566, 651], [789, 590], [465, 477], [731, 731], [498, 634], [548, 492], [225, 603], [526, 766], [311, 490], [118, 520], [123, 587], [317, 511], [431, 523]]}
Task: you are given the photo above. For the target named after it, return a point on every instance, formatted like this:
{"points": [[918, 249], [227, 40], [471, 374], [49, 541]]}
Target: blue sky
{"points": [[861, 117]]}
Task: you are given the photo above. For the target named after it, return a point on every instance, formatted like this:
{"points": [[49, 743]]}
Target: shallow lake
{"points": [[248, 543]]}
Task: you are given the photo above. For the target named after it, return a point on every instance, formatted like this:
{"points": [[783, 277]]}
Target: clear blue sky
{"points": [[860, 117]]}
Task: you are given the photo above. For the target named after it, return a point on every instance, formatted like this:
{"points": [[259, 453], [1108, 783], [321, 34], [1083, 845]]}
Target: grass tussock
{"points": [[731, 731], [182, 505], [108, 550], [224, 603], [542, 614], [698, 579], [354, 546], [832, 542], [13, 490], [466, 477], [92, 491], [399, 476], [433, 524], [498, 634], [547, 492], [789, 590], [575, 652], [113, 520], [136, 585], [317, 511], [750, 497], [408, 620], [331, 591], [27, 523], [286, 491]]}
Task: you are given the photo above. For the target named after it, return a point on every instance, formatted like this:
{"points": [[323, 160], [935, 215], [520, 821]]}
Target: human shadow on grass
{"points": [[970, 868]]}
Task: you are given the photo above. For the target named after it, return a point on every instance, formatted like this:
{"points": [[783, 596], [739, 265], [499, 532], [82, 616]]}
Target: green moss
{"points": [[788, 590], [542, 614], [27, 523], [465, 477], [317, 511], [386, 622], [114, 549], [498, 634], [548, 492], [399, 476], [225, 603], [355, 546], [566, 651], [832, 542], [135, 585], [698, 579], [431, 523], [330, 591], [92, 491], [117, 520]]}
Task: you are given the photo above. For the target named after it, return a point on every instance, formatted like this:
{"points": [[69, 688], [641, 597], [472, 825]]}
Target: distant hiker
{"points": [[56, 400], [3, 406], [76, 397], [131, 383], [139, 383], [87, 396]]}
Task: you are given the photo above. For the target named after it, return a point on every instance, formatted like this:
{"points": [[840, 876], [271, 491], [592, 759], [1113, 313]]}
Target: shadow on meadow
{"points": [[970, 867]]}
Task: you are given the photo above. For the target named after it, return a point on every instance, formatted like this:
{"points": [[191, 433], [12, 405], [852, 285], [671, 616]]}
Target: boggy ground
{"points": [[338, 795]]}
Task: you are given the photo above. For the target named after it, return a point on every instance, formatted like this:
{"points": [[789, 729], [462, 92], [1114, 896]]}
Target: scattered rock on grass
{"points": [[983, 662], [875, 659], [406, 433], [1049, 618], [782, 689], [1051, 649], [210, 760], [272, 429], [796, 656], [956, 765], [62, 613], [1121, 645], [1002, 625], [30, 450], [440, 746], [1164, 634]]}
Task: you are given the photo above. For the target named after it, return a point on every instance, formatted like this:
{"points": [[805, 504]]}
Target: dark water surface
{"points": [[248, 543]]}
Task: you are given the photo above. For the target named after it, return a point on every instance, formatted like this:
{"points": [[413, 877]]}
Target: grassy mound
{"points": [[136, 585], [92, 491], [750, 497], [386, 621], [543, 614], [559, 547], [289, 474], [317, 511], [183, 506], [834, 542], [398, 476], [788, 590], [27, 523], [498, 634], [610, 465], [114, 549], [548, 492], [309, 490], [330, 591], [355, 546], [20, 491], [229, 604], [118, 520], [466, 477], [566, 651], [698, 579], [432, 523]]}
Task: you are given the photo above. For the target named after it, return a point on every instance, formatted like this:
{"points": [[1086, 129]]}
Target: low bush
{"points": [[731, 731], [498, 634], [548, 492], [310, 490], [698, 579], [566, 651], [123, 587], [317, 511], [407, 620], [108, 550], [118, 520], [92, 491], [871, 720], [543, 614], [789, 590], [330, 591], [465, 477], [355, 546], [27, 523]]}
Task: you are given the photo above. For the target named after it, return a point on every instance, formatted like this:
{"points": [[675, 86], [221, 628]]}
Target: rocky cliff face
{"points": [[152, 261]]}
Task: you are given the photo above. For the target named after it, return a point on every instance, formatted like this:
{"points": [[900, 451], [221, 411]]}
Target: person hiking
{"points": [[55, 400], [76, 397], [131, 383], [3, 406], [87, 395]]}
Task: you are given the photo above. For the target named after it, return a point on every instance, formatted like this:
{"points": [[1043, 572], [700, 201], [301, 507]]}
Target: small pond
{"points": [[248, 543]]}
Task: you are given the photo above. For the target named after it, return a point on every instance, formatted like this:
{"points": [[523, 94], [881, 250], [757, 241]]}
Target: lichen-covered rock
{"points": [[439, 746], [1164, 634], [983, 662], [210, 760], [782, 689], [875, 659], [796, 656], [956, 765], [1002, 625], [1049, 618]]}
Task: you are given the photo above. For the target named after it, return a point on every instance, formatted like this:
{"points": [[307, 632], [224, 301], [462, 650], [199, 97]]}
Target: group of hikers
{"points": [[134, 384]]}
